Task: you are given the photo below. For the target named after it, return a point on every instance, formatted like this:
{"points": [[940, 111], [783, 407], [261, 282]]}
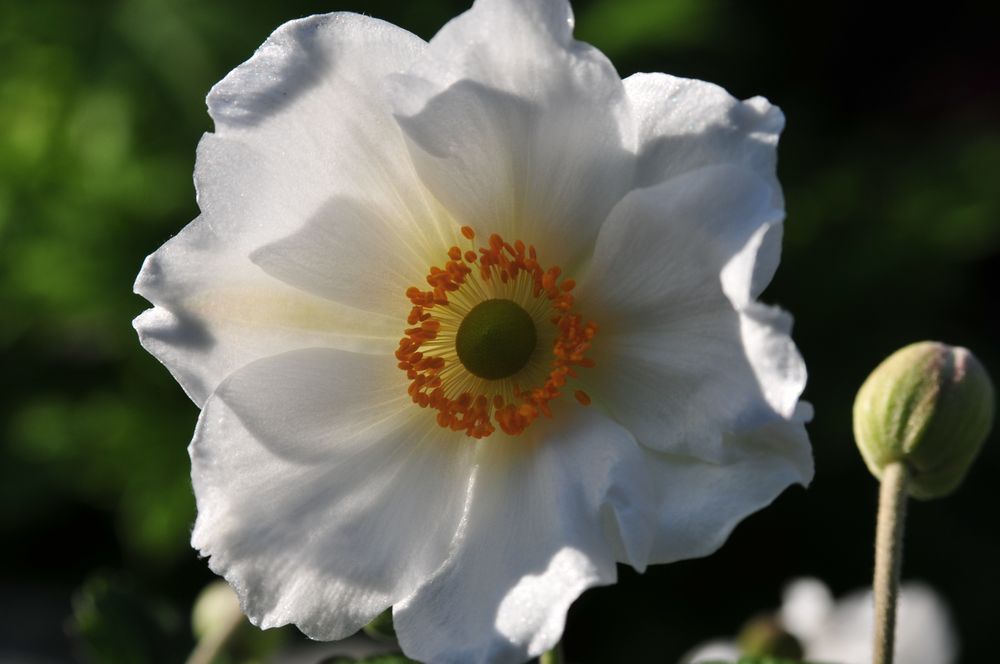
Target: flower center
{"points": [[496, 339]]}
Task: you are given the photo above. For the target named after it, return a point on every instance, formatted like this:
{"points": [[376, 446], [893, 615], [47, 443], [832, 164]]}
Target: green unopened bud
{"points": [[764, 636], [930, 406]]}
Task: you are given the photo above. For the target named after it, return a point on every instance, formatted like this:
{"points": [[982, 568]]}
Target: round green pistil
{"points": [[496, 339]]}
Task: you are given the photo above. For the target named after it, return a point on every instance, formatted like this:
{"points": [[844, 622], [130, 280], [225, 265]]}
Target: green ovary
{"points": [[496, 339]]}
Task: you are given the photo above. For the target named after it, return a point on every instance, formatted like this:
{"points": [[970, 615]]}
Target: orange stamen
{"points": [[476, 414]]}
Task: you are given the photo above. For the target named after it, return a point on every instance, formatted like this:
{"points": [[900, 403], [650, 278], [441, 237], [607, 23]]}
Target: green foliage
{"points": [[114, 622], [93, 173], [382, 628]]}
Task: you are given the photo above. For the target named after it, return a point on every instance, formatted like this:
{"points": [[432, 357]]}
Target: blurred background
{"points": [[891, 168]]}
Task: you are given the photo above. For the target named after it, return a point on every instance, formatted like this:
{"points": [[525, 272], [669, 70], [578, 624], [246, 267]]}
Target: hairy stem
{"points": [[888, 557]]}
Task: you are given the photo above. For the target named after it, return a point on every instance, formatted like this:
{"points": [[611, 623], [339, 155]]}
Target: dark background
{"points": [[891, 168]]}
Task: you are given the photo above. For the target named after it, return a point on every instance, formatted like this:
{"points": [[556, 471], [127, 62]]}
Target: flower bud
{"points": [[930, 406]]}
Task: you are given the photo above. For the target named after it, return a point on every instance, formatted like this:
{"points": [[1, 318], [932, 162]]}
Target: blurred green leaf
{"points": [[623, 26], [381, 627], [114, 622]]}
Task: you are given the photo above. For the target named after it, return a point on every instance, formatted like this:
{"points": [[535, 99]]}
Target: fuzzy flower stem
{"points": [[889, 556], [554, 656]]}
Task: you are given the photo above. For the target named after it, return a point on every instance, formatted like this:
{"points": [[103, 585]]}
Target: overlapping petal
{"points": [[699, 503], [496, 125], [685, 357], [301, 123], [685, 124], [547, 520], [216, 311], [340, 255], [322, 497]]}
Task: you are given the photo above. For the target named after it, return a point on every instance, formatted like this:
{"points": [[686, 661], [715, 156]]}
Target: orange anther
{"points": [[500, 263]]}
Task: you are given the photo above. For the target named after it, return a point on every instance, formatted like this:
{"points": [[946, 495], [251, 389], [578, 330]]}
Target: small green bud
{"points": [[930, 406], [763, 636]]}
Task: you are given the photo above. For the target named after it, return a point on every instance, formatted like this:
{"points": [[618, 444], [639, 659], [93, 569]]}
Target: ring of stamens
{"points": [[438, 380]]}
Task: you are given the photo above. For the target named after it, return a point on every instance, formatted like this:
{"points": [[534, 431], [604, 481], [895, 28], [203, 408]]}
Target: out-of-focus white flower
{"points": [[411, 257], [842, 632]]}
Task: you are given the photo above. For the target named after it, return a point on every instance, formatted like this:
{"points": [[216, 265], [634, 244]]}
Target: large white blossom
{"points": [[348, 458]]}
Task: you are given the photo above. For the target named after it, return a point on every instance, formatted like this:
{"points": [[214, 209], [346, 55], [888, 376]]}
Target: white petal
{"points": [[216, 311], [547, 520], [685, 124], [527, 135], [697, 235], [349, 253], [324, 495], [300, 123], [305, 120], [780, 371], [700, 503], [683, 356]]}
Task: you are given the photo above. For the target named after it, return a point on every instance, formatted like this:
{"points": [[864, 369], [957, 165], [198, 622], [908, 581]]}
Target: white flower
{"points": [[338, 468], [842, 632]]}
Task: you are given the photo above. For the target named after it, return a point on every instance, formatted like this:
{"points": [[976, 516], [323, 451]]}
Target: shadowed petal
{"points": [[350, 254], [323, 495], [684, 356], [527, 135], [684, 124], [699, 503], [547, 521], [301, 122], [216, 311]]}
